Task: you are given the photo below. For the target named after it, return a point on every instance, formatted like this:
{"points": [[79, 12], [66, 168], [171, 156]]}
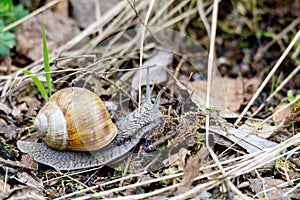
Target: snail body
{"points": [[81, 142]]}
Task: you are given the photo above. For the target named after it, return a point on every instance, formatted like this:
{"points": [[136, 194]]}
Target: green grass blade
{"points": [[38, 83], [46, 61]]}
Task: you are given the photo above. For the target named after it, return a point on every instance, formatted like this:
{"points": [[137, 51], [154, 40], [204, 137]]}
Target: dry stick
{"points": [[142, 50], [178, 18], [282, 84], [200, 8], [98, 15], [147, 195], [5, 179], [176, 9], [267, 156], [161, 11], [104, 193], [121, 18], [210, 71], [34, 13], [263, 183], [288, 157], [196, 189], [182, 27], [268, 77], [135, 11], [291, 190], [93, 27], [282, 185], [102, 184]]}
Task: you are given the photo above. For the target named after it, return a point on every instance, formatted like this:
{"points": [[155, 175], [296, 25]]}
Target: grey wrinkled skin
{"points": [[130, 130]]}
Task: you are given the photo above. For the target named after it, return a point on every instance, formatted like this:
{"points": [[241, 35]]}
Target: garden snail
{"points": [[75, 121]]}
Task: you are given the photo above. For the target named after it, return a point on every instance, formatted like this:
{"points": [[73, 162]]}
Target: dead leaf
{"points": [[5, 108], [265, 131], [59, 30], [280, 117], [29, 179], [32, 105], [251, 143], [234, 93], [9, 130], [191, 170], [250, 87], [177, 159], [217, 97], [259, 185], [28, 162], [294, 116], [32, 165], [23, 192], [16, 113]]}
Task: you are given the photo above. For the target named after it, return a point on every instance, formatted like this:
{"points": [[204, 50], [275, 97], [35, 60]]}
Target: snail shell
{"points": [[75, 119]]}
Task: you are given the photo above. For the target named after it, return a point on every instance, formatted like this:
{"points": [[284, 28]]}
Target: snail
{"points": [[77, 130]]}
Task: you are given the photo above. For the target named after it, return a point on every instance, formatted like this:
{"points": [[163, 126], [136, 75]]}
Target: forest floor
{"points": [[244, 144]]}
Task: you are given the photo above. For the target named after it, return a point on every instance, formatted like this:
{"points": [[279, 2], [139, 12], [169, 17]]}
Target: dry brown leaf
{"points": [[29, 162], [280, 117], [265, 131], [294, 116], [15, 164], [199, 88], [9, 130], [23, 192], [234, 93], [59, 30], [258, 186], [32, 105], [177, 159], [29, 179], [5, 108], [217, 96], [250, 87], [191, 170]]}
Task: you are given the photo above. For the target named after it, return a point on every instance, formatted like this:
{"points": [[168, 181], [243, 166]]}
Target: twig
{"points": [[200, 8]]}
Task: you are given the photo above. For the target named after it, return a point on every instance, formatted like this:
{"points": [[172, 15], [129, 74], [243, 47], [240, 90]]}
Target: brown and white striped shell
{"points": [[75, 119]]}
